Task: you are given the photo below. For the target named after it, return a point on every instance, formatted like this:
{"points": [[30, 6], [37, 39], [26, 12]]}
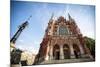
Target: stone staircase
{"points": [[67, 61]]}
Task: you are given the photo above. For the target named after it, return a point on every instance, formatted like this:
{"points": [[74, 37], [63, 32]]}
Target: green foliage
{"points": [[90, 43]]}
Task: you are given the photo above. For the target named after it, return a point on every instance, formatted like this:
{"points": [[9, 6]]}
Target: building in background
{"points": [[27, 58]]}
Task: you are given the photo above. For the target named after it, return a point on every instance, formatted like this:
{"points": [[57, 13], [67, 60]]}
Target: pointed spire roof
{"points": [[51, 19], [52, 15], [70, 18]]}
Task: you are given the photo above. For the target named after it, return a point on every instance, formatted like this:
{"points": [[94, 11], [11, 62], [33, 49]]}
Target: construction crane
{"points": [[19, 31], [17, 34], [15, 52], [21, 28]]}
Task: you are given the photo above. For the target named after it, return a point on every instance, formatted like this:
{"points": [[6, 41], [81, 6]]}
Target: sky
{"points": [[32, 35]]}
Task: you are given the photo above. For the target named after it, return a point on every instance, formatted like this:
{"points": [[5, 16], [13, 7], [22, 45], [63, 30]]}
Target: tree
{"points": [[90, 43]]}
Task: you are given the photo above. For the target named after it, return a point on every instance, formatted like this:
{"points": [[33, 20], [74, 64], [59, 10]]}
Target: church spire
{"points": [[52, 15], [70, 18], [51, 19]]}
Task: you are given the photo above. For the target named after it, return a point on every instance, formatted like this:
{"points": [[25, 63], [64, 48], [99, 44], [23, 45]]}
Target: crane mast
{"points": [[17, 34]]}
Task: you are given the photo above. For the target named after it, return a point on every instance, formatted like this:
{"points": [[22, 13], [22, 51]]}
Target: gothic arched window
{"points": [[63, 30]]}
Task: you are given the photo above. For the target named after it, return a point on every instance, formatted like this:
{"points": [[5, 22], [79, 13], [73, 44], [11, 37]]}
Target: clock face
{"points": [[63, 30]]}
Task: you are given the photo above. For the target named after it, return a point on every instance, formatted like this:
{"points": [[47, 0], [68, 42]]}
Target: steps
{"points": [[67, 61]]}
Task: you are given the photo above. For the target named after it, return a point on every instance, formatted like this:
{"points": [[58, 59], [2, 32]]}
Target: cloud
{"points": [[28, 48]]}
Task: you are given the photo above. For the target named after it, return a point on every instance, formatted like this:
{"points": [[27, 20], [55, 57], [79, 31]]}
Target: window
{"points": [[63, 30]]}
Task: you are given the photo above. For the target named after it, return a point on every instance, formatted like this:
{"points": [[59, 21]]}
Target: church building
{"points": [[62, 40]]}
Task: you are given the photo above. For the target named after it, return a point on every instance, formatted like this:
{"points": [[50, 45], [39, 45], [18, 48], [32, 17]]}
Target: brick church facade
{"points": [[62, 40]]}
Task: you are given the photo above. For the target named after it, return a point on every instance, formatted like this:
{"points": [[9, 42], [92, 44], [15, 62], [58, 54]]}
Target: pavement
{"points": [[67, 61], [15, 65]]}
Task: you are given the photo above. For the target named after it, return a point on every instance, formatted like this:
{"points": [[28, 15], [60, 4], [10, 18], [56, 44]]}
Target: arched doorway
{"points": [[66, 51], [56, 52], [76, 50]]}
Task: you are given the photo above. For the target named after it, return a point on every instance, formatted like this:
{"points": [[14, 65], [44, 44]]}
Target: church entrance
{"points": [[57, 55], [76, 50], [56, 52], [66, 51]]}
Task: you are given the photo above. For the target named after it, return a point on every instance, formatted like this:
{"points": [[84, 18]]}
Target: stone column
{"points": [[81, 50], [47, 51], [51, 52], [71, 51], [61, 52]]}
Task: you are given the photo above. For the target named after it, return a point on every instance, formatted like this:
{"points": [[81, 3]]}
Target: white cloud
{"points": [[28, 47]]}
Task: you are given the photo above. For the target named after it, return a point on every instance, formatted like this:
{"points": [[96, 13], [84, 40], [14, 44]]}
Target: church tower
{"points": [[62, 40]]}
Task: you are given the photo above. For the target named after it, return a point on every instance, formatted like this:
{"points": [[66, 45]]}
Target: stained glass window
{"points": [[63, 30]]}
